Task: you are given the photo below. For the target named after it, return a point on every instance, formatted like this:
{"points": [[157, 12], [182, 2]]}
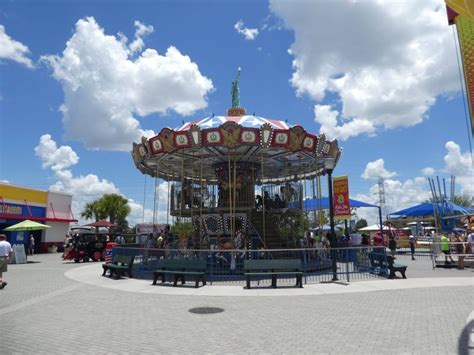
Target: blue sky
{"points": [[383, 83]]}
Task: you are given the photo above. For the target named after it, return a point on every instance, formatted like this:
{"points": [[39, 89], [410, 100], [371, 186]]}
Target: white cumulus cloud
{"points": [[105, 89], [400, 194], [375, 169], [387, 61], [87, 188], [54, 157], [460, 165], [428, 171], [249, 33], [13, 50]]}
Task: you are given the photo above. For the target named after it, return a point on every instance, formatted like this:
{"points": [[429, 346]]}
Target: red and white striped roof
{"points": [[245, 121]]}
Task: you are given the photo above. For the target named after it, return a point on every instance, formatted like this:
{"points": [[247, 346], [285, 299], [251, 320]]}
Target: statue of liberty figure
{"points": [[235, 91]]}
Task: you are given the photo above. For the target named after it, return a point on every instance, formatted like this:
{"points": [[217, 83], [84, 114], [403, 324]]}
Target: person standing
{"points": [[31, 245], [470, 243], [446, 249], [5, 255], [412, 242], [392, 245], [460, 251]]}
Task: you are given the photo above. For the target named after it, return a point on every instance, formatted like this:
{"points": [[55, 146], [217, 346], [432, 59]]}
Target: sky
{"points": [[80, 81]]}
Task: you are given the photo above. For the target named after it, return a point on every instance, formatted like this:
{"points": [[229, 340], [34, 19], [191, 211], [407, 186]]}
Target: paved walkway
{"points": [[56, 307]]}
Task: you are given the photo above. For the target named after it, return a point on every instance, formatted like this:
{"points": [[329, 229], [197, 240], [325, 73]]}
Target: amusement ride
{"points": [[239, 178]]}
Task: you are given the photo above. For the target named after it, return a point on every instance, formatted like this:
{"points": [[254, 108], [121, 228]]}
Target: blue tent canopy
{"points": [[313, 204], [426, 209]]}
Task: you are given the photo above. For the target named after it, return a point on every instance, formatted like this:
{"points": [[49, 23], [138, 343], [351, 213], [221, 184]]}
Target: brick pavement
{"points": [[44, 312]]}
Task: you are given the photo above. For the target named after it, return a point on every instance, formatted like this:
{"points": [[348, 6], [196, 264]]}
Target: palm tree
{"points": [[93, 210], [115, 207]]}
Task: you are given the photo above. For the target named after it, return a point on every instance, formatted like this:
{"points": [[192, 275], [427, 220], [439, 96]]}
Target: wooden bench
{"points": [[273, 269], [394, 267], [179, 268], [120, 264]]}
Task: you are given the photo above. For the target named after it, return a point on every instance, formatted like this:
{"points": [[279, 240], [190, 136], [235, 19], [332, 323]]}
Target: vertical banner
{"points": [[461, 13], [342, 208]]}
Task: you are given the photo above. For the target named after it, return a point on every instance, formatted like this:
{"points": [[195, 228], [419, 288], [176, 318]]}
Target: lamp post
{"points": [[329, 165]]}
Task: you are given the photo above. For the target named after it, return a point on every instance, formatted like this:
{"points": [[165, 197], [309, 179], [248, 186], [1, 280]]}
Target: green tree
{"points": [[112, 206], [115, 207], [361, 223], [93, 210]]}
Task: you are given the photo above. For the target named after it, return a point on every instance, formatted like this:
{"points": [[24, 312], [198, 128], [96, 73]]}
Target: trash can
{"points": [[108, 252]]}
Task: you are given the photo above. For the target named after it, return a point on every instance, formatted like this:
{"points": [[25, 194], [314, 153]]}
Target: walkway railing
{"points": [[353, 263]]}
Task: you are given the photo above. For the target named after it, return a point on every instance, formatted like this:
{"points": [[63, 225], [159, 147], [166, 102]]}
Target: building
{"points": [[48, 207]]}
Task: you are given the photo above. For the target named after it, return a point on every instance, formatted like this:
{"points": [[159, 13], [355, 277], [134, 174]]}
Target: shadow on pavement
{"points": [[466, 340]]}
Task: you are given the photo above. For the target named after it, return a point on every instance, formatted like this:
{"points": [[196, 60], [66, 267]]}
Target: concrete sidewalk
{"points": [[44, 311], [90, 274]]}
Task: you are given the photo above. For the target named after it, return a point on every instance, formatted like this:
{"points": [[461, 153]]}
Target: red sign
{"points": [[342, 208]]}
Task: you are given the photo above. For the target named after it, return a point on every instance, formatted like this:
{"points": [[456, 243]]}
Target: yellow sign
{"points": [[10, 192]]}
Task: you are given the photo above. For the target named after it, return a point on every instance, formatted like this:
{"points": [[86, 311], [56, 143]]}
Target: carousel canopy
{"points": [[244, 121], [274, 150]]}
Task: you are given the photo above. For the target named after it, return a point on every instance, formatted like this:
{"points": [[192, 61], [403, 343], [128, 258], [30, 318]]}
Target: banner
{"points": [[342, 208], [461, 13]]}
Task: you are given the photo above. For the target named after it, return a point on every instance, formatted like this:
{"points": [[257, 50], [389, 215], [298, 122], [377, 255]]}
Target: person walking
{"points": [[31, 245], [5, 255], [412, 242]]}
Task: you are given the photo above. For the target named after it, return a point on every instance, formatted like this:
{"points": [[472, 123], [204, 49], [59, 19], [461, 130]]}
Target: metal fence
{"points": [[227, 266]]}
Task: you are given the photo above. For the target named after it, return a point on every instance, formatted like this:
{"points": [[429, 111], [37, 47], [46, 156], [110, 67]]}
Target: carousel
{"points": [[237, 178]]}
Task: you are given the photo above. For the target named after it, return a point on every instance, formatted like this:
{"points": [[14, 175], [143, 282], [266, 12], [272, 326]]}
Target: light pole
{"points": [[329, 165]]}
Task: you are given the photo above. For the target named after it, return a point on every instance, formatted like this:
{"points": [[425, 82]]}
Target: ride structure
{"points": [[238, 177]]}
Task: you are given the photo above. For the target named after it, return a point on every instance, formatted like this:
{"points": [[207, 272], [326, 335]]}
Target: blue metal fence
{"points": [[226, 266]]}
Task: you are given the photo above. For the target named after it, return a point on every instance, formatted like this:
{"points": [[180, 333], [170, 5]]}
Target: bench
{"points": [[179, 268], [378, 259], [120, 264], [394, 267], [273, 269]]}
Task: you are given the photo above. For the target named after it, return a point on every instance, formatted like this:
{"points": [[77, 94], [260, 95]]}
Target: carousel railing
{"points": [[226, 265]]}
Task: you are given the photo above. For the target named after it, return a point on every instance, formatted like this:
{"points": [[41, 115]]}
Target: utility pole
{"points": [[381, 184]]}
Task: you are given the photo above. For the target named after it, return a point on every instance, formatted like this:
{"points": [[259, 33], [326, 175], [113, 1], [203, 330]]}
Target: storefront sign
{"points": [[10, 209], [342, 208]]}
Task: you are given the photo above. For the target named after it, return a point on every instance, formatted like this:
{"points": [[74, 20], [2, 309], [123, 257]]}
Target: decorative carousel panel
{"points": [[297, 135], [213, 224], [231, 133], [320, 145], [156, 145], [138, 153], [212, 137], [181, 140], [240, 222], [280, 138], [266, 134], [250, 136], [309, 143], [167, 140], [195, 133]]}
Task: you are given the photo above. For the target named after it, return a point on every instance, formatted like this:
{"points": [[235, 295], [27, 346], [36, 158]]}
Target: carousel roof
{"points": [[279, 151], [245, 121]]}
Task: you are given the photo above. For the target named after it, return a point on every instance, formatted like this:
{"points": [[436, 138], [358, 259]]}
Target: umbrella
{"points": [[427, 208], [101, 223], [27, 225]]}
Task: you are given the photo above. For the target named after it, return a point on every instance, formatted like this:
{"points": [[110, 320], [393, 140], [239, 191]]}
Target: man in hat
{"points": [[5, 255]]}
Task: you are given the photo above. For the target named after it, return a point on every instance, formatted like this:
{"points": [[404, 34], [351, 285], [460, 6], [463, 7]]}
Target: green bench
{"points": [[394, 267], [273, 269], [179, 268], [120, 264]]}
